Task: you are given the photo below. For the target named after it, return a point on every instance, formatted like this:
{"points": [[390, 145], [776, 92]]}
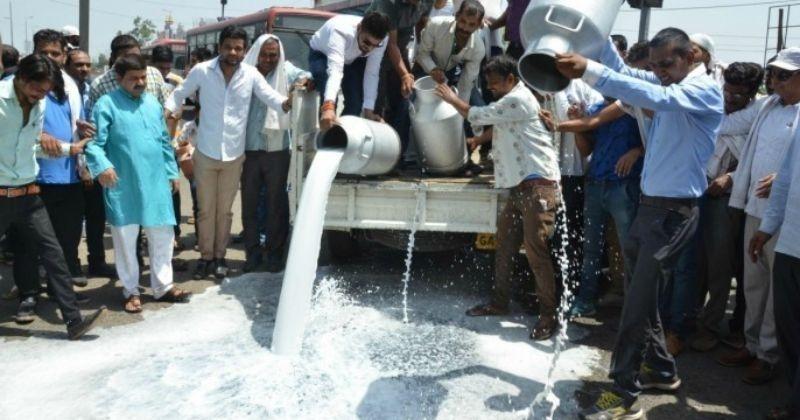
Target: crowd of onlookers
{"points": [[674, 174]]}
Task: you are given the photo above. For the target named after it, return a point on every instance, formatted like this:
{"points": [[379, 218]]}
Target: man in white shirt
{"points": [[720, 224], [346, 54], [771, 126], [451, 43], [783, 214], [572, 165], [525, 161], [225, 87]]}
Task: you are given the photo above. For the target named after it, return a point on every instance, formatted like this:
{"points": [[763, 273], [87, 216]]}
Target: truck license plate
{"points": [[485, 242]]}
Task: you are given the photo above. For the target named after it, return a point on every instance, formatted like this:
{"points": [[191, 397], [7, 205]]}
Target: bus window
{"points": [[295, 46]]}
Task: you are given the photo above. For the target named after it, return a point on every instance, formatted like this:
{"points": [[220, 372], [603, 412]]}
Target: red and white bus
{"points": [[294, 26]]}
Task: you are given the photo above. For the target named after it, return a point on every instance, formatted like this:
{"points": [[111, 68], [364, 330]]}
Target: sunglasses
{"points": [[783, 75]]}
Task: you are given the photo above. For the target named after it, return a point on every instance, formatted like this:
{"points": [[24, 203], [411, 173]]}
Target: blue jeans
{"points": [[618, 200], [680, 294], [352, 82]]}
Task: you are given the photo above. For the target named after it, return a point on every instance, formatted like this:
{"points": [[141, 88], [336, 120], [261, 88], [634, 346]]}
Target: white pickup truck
{"points": [[454, 212]]}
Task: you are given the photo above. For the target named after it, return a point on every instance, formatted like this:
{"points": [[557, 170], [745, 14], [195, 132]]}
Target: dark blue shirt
{"points": [[57, 123], [611, 142]]}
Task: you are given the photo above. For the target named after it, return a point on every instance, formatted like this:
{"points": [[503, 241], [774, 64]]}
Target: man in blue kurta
{"points": [[688, 111], [132, 158]]}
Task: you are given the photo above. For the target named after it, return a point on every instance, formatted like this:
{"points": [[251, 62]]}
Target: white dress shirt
{"points": [[435, 50], [521, 144], [338, 40], [782, 212], [224, 108], [570, 160]]}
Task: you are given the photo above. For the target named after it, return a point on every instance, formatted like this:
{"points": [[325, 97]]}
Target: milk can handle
{"points": [[575, 29], [362, 151]]}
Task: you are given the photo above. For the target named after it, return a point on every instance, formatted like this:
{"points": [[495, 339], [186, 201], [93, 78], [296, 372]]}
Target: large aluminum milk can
{"points": [[370, 147], [438, 131], [561, 26]]}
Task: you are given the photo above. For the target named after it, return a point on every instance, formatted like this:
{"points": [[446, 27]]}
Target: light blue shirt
{"points": [[18, 142], [255, 139], [779, 214], [685, 125]]}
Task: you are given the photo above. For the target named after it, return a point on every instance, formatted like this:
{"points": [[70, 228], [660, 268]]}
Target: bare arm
{"points": [[588, 123]]}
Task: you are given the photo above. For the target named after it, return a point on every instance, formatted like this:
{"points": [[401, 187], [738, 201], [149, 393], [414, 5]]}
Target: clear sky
{"points": [[738, 31]]}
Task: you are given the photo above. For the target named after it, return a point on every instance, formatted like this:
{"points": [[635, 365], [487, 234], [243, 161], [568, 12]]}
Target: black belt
{"points": [[683, 206]]}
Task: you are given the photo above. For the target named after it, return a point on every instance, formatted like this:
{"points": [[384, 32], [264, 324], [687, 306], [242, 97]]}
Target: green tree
{"points": [[144, 30]]}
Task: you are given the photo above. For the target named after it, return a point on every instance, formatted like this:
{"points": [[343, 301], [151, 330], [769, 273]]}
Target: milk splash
{"points": [[410, 254], [301, 265], [546, 402]]}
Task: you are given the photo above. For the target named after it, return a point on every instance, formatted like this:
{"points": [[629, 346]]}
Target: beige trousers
{"points": [[217, 183]]}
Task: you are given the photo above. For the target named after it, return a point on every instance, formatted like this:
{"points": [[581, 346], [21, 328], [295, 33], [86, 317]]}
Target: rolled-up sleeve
{"points": [[186, 89], [269, 96]]}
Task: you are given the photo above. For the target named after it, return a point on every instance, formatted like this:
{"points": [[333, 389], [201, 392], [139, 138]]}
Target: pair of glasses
{"points": [[783, 75], [738, 96]]}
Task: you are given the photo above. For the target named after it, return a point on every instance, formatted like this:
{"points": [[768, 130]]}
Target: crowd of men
{"points": [[676, 171]]}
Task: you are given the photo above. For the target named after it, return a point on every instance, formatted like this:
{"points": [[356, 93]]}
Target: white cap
{"points": [[705, 42], [70, 30], [788, 59]]}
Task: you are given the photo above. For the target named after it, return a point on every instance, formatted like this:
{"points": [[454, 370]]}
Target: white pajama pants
{"points": [[159, 244], [759, 319]]}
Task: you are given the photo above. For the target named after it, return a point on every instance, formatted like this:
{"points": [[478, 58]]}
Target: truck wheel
{"points": [[342, 246]]}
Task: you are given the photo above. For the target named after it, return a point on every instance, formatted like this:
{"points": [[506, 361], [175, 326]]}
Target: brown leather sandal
{"points": [[133, 305], [487, 309], [175, 295]]}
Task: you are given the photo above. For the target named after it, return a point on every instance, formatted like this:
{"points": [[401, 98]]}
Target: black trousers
{"points": [[31, 223], [655, 240], [786, 296], [65, 206], [572, 190], [270, 169], [95, 212]]}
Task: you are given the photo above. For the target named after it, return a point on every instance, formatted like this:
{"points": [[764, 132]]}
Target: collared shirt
{"points": [[446, 10], [436, 50], [611, 142], [403, 17], [514, 12], [58, 123], [223, 115], [782, 212], [570, 160], [19, 144], [521, 144], [685, 124], [273, 140], [107, 82], [338, 40], [774, 138]]}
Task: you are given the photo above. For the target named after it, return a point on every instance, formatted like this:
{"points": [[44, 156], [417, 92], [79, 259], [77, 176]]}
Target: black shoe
{"points": [[274, 262], [26, 310], [78, 279], [78, 328], [82, 299], [221, 269], [202, 269], [179, 265], [102, 270], [252, 263]]}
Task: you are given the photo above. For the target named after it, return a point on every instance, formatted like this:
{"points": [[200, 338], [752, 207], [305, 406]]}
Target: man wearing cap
{"points": [[771, 125], [705, 52], [72, 36]]}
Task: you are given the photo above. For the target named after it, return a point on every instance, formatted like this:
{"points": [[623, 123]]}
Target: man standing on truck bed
{"points": [[526, 162]]}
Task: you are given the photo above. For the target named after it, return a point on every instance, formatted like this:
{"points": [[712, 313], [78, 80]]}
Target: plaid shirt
{"points": [[108, 83]]}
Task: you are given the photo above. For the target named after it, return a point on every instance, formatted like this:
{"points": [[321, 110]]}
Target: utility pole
{"points": [[83, 24], [780, 45], [644, 23], [223, 2], [11, 21]]}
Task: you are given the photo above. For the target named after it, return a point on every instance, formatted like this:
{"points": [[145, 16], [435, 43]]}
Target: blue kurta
{"points": [[132, 138]]}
